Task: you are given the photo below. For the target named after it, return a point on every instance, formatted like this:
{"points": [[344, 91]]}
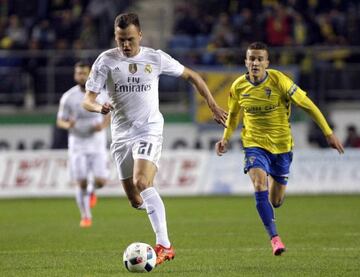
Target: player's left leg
{"points": [[276, 192], [276, 197], [144, 173], [278, 178], [100, 170], [83, 202]]}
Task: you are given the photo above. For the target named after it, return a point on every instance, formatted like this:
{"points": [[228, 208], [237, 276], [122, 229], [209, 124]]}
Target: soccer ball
{"points": [[139, 257]]}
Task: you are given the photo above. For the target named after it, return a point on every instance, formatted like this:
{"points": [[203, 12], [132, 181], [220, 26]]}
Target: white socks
{"points": [[83, 202], [142, 206], [90, 187], [156, 211]]}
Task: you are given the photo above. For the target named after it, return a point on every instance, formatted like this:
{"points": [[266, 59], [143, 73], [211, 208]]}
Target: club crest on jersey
{"points": [[132, 68], [268, 92], [148, 68], [252, 159]]}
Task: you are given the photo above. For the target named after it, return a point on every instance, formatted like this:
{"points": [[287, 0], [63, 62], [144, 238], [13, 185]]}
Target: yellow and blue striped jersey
{"points": [[265, 110]]}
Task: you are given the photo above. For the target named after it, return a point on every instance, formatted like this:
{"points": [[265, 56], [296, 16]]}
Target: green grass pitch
{"points": [[213, 236]]}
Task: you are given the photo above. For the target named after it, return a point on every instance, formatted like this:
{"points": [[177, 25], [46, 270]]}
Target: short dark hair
{"points": [[125, 19], [258, 45], [82, 64]]}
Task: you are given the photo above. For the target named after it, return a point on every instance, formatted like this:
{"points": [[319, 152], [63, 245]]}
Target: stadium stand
{"points": [[320, 38]]}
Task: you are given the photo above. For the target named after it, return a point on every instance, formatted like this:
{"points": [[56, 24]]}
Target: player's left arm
{"points": [[304, 102], [219, 114]]}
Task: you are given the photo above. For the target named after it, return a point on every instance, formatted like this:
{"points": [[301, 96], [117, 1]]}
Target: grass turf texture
{"points": [[213, 236]]}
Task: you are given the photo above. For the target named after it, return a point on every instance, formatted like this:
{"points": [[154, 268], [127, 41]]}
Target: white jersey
{"points": [[132, 84], [82, 137]]}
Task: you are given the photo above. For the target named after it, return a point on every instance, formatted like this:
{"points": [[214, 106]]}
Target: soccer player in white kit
{"points": [[131, 75], [87, 149]]}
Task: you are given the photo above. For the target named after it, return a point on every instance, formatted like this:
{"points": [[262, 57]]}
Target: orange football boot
{"points": [[164, 254], [93, 200], [85, 222]]}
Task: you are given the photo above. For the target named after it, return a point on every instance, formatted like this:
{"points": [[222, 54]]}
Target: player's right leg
{"points": [[78, 174], [83, 202], [136, 162], [276, 192], [146, 154], [257, 164], [278, 177]]}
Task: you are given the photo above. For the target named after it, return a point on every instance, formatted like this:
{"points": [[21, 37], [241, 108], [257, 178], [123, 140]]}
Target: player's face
{"points": [[81, 74], [256, 62], [128, 40]]}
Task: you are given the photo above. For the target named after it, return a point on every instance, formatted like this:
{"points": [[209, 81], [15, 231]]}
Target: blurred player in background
{"points": [[131, 75], [261, 101], [87, 143]]}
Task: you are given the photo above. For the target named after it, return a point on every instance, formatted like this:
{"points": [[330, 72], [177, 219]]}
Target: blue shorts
{"points": [[275, 165]]}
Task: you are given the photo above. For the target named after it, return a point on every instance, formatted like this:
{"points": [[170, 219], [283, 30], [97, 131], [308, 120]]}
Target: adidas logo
{"points": [[117, 69]]}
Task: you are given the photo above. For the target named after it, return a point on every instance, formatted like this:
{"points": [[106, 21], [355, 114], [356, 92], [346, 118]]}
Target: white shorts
{"points": [[82, 164], [143, 147]]}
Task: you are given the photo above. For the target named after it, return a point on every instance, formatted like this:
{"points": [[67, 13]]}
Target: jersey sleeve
{"points": [[103, 97], [233, 101], [97, 76], [170, 66], [234, 114], [299, 97], [64, 111], [291, 90]]}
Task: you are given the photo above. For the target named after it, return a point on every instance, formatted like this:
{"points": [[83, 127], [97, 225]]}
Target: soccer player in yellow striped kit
{"points": [[261, 100]]}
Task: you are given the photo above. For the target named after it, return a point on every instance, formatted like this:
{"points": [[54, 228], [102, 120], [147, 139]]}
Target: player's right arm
{"points": [[64, 120], [92, 105], [94, 85], [65, 124], [232, 122], [235, 115]]}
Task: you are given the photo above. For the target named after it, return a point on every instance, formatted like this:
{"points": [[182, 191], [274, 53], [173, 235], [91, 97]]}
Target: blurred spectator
{"points": [[33, 65], [103, 13], [77, 8], [353, 23], [187, 21], [16, 32], [66, 26], [352, 137], [222, 32], [246, 29], [88, 33], [299, 30], [278, 26], [44, 34]]}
